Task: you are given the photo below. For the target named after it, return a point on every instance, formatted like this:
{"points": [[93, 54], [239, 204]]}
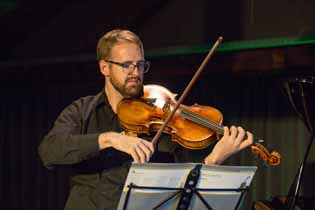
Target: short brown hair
{"points": [[110, 39]]}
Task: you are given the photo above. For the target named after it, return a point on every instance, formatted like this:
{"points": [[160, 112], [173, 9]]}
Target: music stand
{"points": [[183, 186]]}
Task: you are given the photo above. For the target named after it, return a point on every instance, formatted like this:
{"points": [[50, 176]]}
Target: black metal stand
{"points": [[186, 192], [296, 88], [295, 187]]}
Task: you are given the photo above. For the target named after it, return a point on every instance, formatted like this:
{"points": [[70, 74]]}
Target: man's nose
{"points": [[135, 71]]}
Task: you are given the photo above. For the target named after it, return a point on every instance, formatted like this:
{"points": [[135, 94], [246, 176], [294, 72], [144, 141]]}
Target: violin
{"points": [[193, 127]]}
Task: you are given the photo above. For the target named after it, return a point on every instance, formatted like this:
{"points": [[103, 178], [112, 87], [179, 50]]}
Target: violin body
{"points": [[147, 114], [143, 116]]}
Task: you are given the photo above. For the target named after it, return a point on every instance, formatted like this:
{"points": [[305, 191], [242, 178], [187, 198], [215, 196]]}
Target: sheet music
{"points": [[155, 176], [174, 175], [221, 176]]}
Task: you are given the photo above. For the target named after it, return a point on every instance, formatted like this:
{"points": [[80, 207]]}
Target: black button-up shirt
{"points": [[98, 175]]}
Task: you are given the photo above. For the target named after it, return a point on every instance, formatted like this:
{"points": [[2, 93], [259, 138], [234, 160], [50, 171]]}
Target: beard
{"points": [[131, 91]]}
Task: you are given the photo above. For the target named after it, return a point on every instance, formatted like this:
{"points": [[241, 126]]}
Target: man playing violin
{"points": [[87, 134]]}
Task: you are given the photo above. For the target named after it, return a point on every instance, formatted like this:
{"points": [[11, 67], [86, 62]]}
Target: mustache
{"points": [[133, 78]]}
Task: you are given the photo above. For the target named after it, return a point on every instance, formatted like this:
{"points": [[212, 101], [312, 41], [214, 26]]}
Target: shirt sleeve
{"points": [[64, 144]]}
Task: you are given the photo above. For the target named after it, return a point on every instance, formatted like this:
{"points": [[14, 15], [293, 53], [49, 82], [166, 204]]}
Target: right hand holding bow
{"points": [[139, 149]]}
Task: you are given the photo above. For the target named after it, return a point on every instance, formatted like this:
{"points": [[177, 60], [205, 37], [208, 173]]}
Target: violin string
{"points": [[201, 120], [209, 124]]}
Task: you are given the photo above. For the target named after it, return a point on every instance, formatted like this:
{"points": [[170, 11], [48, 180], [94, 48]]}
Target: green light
{"points": [[233, 46]]}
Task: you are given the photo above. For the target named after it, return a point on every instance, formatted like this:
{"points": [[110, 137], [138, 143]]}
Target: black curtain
{"points": [[33, 96]]}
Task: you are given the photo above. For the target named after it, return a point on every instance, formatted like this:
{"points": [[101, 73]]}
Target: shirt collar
{"points": [[102, 99]]}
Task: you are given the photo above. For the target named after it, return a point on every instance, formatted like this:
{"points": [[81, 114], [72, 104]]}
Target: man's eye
{"points": [[140, 64], [125, 65]]}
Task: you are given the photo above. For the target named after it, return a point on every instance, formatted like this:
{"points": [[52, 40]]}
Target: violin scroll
{"points": [[271, 158]]}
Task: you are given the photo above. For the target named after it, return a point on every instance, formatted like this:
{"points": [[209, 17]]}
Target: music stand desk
{"points": [[160, 185]]}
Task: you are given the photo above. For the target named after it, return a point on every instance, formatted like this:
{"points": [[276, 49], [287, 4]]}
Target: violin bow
{"points": [[187, 89]]}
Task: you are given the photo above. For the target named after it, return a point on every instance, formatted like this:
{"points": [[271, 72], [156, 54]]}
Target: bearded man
{"points": [[87, 134]]}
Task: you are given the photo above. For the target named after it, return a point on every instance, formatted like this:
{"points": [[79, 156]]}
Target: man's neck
{"points": [[114, 97]]}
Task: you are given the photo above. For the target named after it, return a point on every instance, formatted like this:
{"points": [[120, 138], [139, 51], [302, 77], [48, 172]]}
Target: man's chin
{"points": [[132, 91]]}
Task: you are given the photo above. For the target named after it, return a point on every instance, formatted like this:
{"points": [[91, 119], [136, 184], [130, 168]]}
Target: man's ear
{"points": [[104, 67]]}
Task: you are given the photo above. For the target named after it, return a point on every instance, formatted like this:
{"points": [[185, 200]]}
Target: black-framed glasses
{"points": [[142, 65]]}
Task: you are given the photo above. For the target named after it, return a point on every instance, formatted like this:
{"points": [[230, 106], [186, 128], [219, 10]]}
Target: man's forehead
{"points": [[126, 50]]}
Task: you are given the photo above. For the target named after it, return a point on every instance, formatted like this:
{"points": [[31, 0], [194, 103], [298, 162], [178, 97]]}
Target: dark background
{"points": [[47, 60]]}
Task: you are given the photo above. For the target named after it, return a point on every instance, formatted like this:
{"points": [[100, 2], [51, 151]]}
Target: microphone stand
{"points": [[296, 185]]}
